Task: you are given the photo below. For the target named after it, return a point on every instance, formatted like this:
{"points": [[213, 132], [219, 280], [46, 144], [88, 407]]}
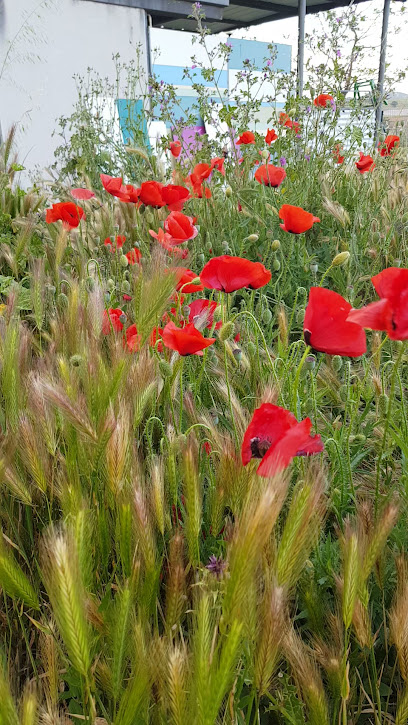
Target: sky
{"points": [[285, 31]]}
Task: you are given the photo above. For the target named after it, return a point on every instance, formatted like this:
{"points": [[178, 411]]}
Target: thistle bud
{"points": [[124, 261], [228, 192], [267, 316], [337, 363], [275, 245], [253, 238], [276, 265], [340, 259], [226, 331]]}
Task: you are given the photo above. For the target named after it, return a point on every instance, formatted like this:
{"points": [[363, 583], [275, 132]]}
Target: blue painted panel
{"points": [[174, 74], [256, 51], [131, 118]]}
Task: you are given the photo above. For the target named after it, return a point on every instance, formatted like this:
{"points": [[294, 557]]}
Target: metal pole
{"points": [[381, 70], [301, 45]]}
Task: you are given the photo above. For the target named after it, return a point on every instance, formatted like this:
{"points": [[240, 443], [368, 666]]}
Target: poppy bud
{"points": [[208, 247], [200, 258], [142, 209], [186, 311], [343, 392], [267, 316], [224, 245], [251, 347], [51, 289], [310, 362], [106, 296], [383, 404], [276, 265], [110, 285], [196, 281], [75, 360], [265, 154], [337, 363], [340, 259], [90, 284], [126, 285], [275, 245], [228, 192], [124, 261], [217, 315], [63, 300], [253, 238], [237, 353], [314, 268], [165, 368], [226, 331], [122, 318], [360, 438]]}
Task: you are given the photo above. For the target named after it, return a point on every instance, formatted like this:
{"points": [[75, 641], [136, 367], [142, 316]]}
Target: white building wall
{"points": [[42, 46]]}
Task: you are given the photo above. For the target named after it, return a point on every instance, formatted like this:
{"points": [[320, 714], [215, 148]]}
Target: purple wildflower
{"points": [[268, 62], [193, 66], [307, 157], [338, 53], [333, 104], [338, 20], [282, 161], [308, 109], [216, 566]]}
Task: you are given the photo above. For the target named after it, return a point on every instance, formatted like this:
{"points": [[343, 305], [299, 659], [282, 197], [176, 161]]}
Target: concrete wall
{"points": [[60, 38]]}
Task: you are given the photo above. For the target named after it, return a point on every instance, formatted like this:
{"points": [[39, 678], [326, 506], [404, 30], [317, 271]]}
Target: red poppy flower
{"points": [[175, 149], [183, 277], [115, 187], [270, 136], [132, 194], [156, 337], [186, 340], [388, 144], [275, 436], [166, 241], [175, 196], [112, 320], [66, 211], [337, 154], [246, 138], [365, 163], [180, 227], [270, 175], [295, 219], [326, 327], [323, 100], [237, 337], [82, 194], [286, 121], [134, 256], [218, 163], [120, 239], [126, 298], [391, 312], [198, 190], [231, 273], [202, 313], [133, 339], [151, 194]]}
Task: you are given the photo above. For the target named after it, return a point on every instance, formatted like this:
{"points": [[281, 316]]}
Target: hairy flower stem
{"points": [[297, 378], [387, 425]]}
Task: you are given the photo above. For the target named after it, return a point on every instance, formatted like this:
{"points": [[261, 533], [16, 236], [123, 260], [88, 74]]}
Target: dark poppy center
{"points": [[259, 447]]}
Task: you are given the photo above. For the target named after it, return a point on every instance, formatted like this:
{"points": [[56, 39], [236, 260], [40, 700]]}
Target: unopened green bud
{"points": [[228, 192], [165, 368], [200, 259], [276, 265], [253, 238], [186, 311], [337, 363], [110, 285], [90, 284], [267, 316], [124, 261], [275, 245], [340, 259], [314, 268], [343, 392], [217, 313], [265, 154], [383, 404], [63, 300], [251, 347], [237, 353], [126, 285], [226, 331]]}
